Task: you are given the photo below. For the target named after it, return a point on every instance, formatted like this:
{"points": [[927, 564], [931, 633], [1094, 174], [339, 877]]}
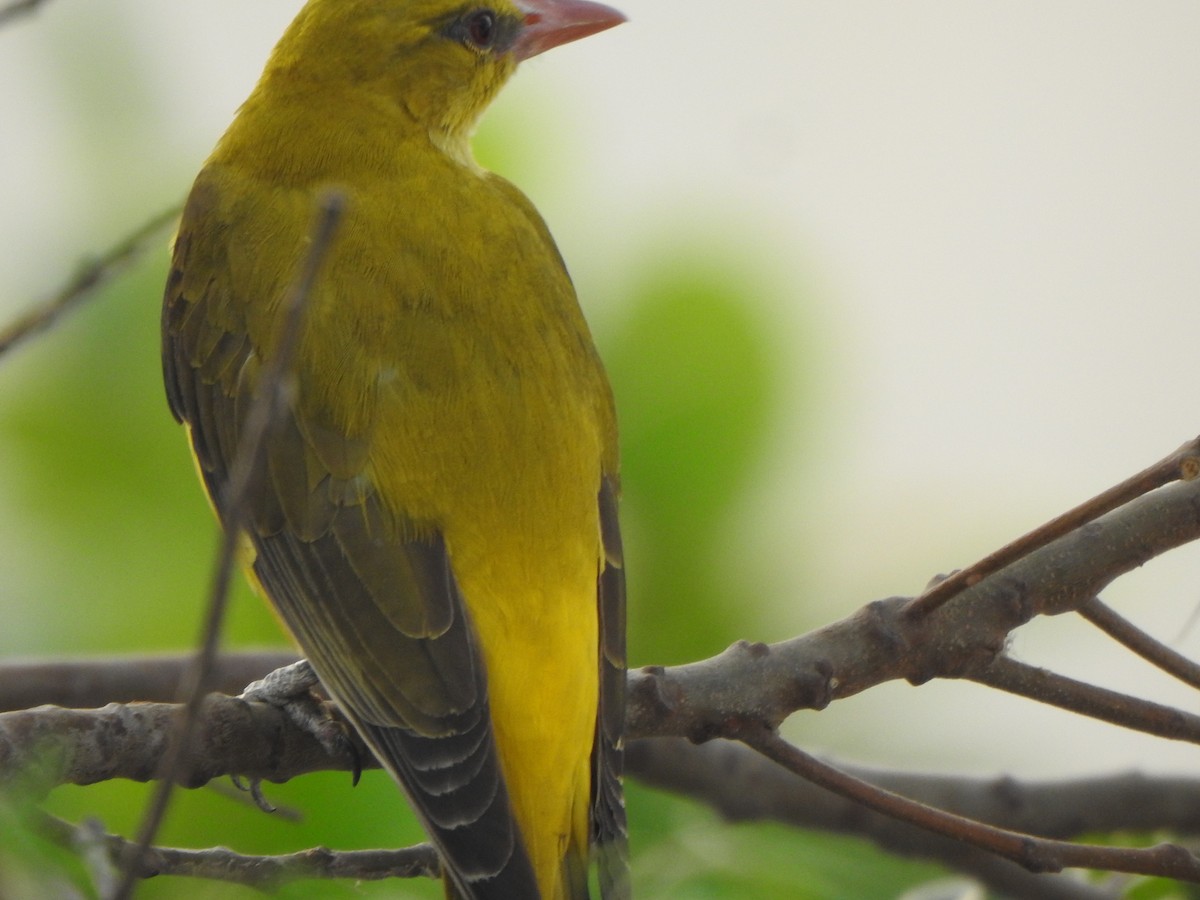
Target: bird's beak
{"points": [[549, 23]]}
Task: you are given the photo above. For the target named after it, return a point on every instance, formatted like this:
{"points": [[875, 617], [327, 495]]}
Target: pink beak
{"points": [[549, 23]]}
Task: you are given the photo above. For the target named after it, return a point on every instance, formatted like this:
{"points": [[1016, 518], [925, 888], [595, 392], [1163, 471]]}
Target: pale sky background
{"points": [[990, 210]]}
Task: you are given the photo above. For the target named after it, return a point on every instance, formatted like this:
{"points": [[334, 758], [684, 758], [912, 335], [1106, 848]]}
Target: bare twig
{"points": [[92, 276], [742, 785], [1007, 674], [1184, 463], [261, 872], [1036, 854], [1129, 635], [274, 385]]}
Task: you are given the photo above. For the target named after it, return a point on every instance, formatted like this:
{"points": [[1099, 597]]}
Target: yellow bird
{"points": [[437, 520]]}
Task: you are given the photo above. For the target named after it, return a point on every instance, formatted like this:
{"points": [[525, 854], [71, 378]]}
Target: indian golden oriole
{"points": [[436, 522]]}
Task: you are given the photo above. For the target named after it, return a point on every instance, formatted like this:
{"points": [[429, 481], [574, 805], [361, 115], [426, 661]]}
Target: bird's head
{"points": [[440, 61]]}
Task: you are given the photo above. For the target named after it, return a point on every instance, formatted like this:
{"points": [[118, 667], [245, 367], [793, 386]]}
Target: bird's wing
{"points": [[370, 597], [608, 800]]}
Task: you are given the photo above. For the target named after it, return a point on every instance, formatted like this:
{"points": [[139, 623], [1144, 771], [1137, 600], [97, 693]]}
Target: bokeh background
{"points": [[880, 287]]}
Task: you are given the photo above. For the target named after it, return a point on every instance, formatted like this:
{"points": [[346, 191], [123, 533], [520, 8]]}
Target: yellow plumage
{"points": [[438, 522]]}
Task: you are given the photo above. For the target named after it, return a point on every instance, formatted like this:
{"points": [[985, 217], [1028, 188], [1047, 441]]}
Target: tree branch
{"points": [[47, 746], [260, 741], [1048, 687], [741, 785], [744, 692], [1133, 638], [261, 872], [1183, 463], [1038, 855], [878, 643], [92, 276]]}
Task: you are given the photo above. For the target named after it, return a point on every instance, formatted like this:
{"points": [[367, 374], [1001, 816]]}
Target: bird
{"points": [[435, 516]]}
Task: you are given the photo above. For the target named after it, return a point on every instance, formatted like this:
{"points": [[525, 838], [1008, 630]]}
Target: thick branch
{"points": [[49, 745], [257, 740], [767, 683]]}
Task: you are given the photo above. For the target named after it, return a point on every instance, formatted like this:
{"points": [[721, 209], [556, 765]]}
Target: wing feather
{"points": [[608, 800], [371, 599]]}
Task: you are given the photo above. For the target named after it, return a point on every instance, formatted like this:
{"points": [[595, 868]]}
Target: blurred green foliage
{"points": [[117, 534], [692, 366]]}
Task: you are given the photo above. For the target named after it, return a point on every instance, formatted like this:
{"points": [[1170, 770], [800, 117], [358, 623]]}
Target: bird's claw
{"points": [[290, 689], [253, 787]]}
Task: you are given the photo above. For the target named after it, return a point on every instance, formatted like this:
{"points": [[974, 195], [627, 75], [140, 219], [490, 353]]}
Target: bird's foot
{"points": [[290, 689]]}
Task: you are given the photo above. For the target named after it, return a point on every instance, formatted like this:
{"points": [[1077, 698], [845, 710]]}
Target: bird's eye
{"points": [[481, 29]]}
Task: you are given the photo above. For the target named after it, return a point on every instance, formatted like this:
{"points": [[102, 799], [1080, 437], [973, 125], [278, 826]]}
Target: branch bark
{"points": [[747, 690], [262, 872], [257, 740], [878, 643]]}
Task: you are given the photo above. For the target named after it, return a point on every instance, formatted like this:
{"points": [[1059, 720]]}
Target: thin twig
{"points": [[1148, 648], [1184, 464], [1134, 713], [260, 872], [1033, 853], [274, 386], [742, 785], [88, 279]]}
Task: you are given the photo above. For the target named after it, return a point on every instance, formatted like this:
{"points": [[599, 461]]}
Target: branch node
{"points": [[813, 690], [1189, 467], [652, 690], [753, 649], [1038, 857]]}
